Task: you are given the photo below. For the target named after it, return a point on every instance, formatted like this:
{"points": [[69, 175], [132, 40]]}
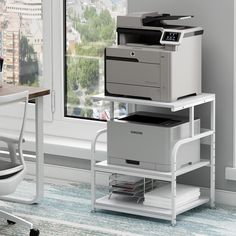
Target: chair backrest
{"points": [[16, 98], [11, 173]]}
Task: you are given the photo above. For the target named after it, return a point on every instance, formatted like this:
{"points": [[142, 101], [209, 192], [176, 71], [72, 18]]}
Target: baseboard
{"points": [[68, 174], [222, 196], [230, 173]]}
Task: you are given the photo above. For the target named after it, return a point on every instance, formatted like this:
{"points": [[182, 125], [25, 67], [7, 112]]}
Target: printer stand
{"points": [[131, 207]]}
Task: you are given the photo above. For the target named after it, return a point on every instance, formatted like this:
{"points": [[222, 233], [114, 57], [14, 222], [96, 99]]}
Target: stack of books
{"points": [[161, 197]]}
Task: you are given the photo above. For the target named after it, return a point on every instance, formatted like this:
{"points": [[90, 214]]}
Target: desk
{"points": [[37, 95]]}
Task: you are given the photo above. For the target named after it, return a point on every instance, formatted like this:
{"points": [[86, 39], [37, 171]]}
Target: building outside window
{"points": [[21, 41], [90, 26]]}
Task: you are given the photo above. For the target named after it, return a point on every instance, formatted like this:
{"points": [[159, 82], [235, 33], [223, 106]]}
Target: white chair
{"points": [[13, 169]]}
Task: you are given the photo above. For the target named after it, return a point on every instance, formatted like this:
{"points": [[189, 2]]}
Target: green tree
{"points": [[72, 99], [107, 26], [82, 72], [88, 74], [97, 32], [72, 73], [73, 82], [28, 63], [94, 49], [88, 102], [90, 13], [97, 26], [86, 113]]}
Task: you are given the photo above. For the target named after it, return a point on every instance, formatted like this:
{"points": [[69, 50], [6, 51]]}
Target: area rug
{"points": [[66, 211]]}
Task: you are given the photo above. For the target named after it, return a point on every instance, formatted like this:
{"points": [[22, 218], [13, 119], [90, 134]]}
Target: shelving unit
{"points": [[131, 207]]}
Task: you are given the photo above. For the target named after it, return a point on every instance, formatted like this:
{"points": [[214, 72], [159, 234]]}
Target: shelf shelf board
{"points": [[131, 207], [190, 168], [105, 167], [174, 106]]}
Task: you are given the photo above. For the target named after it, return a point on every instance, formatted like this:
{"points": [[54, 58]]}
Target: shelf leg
{"points": [[111, 110], [173, 223], [191, 121], [93, 191], [173, 185], [93, 172], [93, 185], [212, 172], [173, 196]]}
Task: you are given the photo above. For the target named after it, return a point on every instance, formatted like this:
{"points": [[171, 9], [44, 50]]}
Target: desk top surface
{"points": [[34, 92]]}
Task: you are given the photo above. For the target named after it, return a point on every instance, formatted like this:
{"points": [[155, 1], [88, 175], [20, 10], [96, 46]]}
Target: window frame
{"points": [[83, 129], [64, 9]]}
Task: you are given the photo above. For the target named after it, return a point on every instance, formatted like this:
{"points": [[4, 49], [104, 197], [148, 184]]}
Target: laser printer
{"points": [[145, 140], [153, 59]]}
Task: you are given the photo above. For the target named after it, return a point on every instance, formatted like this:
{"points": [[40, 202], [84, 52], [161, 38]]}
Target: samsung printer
{"points": [[145, 140], [154, 60]]}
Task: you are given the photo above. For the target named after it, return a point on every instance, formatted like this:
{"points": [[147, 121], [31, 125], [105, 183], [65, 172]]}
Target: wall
{"points": [[217, 19]]}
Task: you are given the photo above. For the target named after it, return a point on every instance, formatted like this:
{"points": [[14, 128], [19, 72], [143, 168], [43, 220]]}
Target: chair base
{"points": [[12, 219]]}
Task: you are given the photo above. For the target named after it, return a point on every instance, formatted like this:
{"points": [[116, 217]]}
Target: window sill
{"points": [[69, 147], [63, 146], [230, 173]]}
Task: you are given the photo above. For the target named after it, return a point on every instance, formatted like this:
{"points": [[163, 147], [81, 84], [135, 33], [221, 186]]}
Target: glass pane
{"points": [[21, 41], [89, 27]]}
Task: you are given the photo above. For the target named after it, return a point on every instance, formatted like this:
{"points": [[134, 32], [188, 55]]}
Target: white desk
{"points": [[37, 95]]}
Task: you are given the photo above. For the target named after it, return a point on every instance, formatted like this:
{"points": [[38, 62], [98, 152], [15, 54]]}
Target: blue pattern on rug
{"points": [[66, 211]]}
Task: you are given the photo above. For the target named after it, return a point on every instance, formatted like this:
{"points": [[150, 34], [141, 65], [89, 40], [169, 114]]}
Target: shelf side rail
{"points": [[93, 162], [175, 149]]}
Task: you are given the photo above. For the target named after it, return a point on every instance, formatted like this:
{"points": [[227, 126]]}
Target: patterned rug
{"points": [[65, 211]]}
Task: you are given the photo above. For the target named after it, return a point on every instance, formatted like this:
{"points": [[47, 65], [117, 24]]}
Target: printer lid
{"points": [[150, 118], [151, 29], [149, 19], [158, 20]]}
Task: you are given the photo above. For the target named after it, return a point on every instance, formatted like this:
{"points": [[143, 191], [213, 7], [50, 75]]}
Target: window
{"points": [[21, 46], [19, 29], [89, 27]]}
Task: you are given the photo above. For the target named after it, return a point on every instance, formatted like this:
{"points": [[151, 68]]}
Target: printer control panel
{"points": [[171, 38]]}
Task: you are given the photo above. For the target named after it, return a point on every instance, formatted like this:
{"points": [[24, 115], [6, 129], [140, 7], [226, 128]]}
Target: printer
{"points": [[154, 60], [145, 140]]}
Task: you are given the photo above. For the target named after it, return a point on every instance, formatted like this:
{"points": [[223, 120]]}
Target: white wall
{"points": [[217, 19]]}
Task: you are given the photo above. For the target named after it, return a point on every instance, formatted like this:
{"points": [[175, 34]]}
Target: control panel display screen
{"points": [[171, 36]]}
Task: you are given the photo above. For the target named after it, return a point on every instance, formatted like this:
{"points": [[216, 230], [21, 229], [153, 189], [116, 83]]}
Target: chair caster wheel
{"points": [[34, 232], [10, 222]]}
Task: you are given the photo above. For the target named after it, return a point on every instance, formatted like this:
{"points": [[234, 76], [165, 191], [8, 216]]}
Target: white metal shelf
{"points": [[131, 207], [140, 209], [152, 174], [174, 106]]}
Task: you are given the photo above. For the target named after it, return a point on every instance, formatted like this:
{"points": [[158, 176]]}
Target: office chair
{"points": [[13, 169]]}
